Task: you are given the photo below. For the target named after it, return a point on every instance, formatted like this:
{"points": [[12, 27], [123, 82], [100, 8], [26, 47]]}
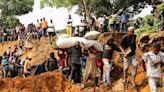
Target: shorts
{"points": [[130, 61], [51, 33]]}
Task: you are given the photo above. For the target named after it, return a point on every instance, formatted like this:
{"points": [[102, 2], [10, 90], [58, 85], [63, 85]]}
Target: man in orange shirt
{"points": [[44, 26]]}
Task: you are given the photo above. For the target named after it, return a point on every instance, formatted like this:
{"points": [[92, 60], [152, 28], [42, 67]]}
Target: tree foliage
{"points": [[58, 3], [97, 7], [11, 8], [158, 23], [10, 21], [16, 7], [160, 8]]}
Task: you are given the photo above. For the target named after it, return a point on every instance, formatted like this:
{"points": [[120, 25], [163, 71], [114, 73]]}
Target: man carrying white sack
{"points": [[154, 60], [75, 55]]}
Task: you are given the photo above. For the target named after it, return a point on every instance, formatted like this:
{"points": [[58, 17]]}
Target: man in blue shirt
{"points": [[124, 22]]}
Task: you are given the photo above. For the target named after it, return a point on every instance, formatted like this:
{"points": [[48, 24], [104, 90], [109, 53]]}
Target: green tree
{"points": [[84, 5], [11, 8], [99, 6], [16, 7], [10, 21]]}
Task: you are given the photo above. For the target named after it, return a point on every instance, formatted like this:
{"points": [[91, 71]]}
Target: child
{"points": [[154, 60]]}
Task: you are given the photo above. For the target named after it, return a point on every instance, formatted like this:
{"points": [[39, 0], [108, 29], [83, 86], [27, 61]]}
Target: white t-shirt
{"points": [[76, 30], [82, 26], [69, 22], [153, 70], [101, 20], [8, 52], [17, 29], [51, 27]]}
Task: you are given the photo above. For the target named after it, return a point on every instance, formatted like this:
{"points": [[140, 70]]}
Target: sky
{"points": [[59, 15]]}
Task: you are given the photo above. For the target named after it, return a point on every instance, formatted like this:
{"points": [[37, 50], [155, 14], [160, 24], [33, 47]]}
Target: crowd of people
{"points": [[103, 23], [113, 23], [79, 64], [32, 31], [11, 63], [94, 65]]}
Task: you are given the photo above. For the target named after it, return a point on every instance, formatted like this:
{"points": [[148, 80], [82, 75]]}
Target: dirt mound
{"points": [[5, 45], [117, 37], [146, 40], [48, 82]]}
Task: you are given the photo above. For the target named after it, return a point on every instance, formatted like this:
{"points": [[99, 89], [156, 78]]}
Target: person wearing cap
{"points": [[154, 60], [109, 48], [128, 44], [75, 55]]}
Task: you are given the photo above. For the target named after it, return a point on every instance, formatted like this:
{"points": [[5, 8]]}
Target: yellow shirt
{"points": [[111, 20], [44, 24]]}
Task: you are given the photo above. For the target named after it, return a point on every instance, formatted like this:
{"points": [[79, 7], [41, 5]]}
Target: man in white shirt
{"points": [[154, 60], [8, 51], [101, 20], [82, 27], [51, 29], [101, 23]]}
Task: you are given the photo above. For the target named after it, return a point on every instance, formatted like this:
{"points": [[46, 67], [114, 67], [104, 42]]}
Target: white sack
{"points": [[98, 45], [64, 43], [92, 35], [63, 36]]}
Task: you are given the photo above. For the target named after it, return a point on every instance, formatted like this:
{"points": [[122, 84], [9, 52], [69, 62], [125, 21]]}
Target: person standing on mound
{"points": [[109, 48], [91, 67], [75, 55], [154, 60], [51, 30], [128, 44], [69, 29], [44, 26]]}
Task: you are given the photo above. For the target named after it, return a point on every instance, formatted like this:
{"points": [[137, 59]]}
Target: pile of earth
{"points": [[146, 40], [48, 82]]}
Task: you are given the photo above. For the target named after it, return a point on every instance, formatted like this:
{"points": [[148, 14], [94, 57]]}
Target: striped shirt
{"points": [[154, 70]]}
